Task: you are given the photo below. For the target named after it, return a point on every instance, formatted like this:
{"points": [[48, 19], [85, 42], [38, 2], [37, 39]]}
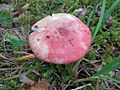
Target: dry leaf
{"points": [[21, 10], [26, 80], [42, 85]]}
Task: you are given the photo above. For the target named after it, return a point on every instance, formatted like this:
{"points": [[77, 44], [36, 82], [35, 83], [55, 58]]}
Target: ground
{"points": [[104, 51]]}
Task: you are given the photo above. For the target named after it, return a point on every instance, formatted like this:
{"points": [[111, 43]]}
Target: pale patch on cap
{"points": [[60, 60], [83, 45], [42, 49]]}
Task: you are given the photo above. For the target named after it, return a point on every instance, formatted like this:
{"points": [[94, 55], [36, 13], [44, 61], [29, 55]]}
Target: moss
{"points": [[5, 18], [91, 54], [12, 85], [107, 58], [63, 73]]}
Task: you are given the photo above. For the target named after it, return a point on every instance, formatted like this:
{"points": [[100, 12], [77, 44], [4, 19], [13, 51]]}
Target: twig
{"points": [[21, 10], [21, 52], [87, 73], [26, 57], [76, 66], [57, 75], [79, 71], [9, 78], [78, 88], [36, 72], [106, 84], [3, 56], [67, 85], [116, 85], [85, 79], [97, 84], [5, 69]]}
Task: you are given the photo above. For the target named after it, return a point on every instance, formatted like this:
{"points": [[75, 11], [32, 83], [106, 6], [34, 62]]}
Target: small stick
{"points": [[22, 53], [26, 57], [3, 56], [78, 88]]}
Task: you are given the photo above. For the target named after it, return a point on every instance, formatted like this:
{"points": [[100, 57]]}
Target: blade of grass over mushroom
{"points": [[110, 67], [112, 8], [94, 33]]}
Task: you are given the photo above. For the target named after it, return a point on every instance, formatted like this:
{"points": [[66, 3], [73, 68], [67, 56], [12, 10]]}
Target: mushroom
{"points": [[60, 39]]}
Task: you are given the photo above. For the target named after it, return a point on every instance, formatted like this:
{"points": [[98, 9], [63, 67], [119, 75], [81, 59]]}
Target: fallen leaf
{"points": [[23, 78], [42, 85], [21, 10]]}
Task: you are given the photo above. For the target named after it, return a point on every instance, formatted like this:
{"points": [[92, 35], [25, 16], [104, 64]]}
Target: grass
{"points": [[94, 33], [100, 67]]}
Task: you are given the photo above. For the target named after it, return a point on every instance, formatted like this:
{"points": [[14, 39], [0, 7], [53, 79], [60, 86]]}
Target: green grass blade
{"points": [[111, 79], [104, 16], [112, 8], [110, 67], [92, 13], [100, 21], [90, 17]]}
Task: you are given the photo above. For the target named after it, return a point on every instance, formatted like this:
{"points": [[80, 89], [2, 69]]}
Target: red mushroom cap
{"points": [[61, 39]]}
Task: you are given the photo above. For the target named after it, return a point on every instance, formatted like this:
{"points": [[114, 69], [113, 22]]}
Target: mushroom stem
{"points": [[26, 57]]}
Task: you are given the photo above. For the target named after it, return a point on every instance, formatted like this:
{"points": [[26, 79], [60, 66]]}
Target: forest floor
{"points": [[90, 73]]}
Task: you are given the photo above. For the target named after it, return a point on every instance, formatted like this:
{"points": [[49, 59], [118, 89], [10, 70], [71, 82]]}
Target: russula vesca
{"points": [[61, 39]]}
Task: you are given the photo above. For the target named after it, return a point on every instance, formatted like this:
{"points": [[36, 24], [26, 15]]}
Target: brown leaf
{"points": [[42, 85], [26, 80], [21, 10]]}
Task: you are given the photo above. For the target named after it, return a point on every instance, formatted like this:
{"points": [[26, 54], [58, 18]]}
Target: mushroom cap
{"points": [[61, 39]]}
